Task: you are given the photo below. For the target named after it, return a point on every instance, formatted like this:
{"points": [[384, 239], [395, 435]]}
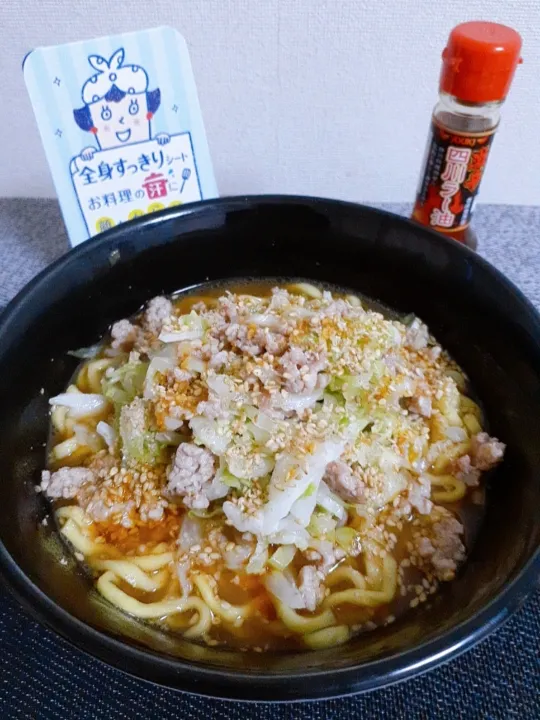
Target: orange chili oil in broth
{"points": [[263, 629]]}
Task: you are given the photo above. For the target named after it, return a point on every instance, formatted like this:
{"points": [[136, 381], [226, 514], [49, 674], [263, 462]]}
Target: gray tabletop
{"points": [[41, 676]]}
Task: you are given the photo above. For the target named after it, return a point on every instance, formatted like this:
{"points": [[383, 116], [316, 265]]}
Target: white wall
{"points": [[329, 97]]}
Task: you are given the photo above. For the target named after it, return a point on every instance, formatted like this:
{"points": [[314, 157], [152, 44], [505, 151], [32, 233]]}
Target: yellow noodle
{"points": [[153, 562], [302, 624], [459, 378], [374, 564], [307, 289], [82, 378], [133, 575], [68, 448], [230, 613], [328, 637], [95, 370], [471, 423], [450, 453], [346, 573], [160, 548], [453, 488], [79, 541], [438, 426], [369, 598], [361, 520], [75, 513], [469, 406], [60, 420], [106, 585], [74, 529]]}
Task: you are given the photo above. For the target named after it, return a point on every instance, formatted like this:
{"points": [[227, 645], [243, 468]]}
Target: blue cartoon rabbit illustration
{"points": [[118, 107]]}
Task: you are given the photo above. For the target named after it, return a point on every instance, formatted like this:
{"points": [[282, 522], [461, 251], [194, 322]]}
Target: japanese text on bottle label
{"points": [[453, 170]]}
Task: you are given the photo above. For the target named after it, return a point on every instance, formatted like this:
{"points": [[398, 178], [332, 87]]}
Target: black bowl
{"points": [[480, 317]]}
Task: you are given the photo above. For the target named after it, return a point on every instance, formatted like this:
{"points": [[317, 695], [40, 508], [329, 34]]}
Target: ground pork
{"points": [[219, 360], [340, 478], [485, 453], [442, 548], [100, 511], [255, 342], [310, 587], [337, 308], [228, 308], [66, 482], [213, 409], [158, 310], [280, 299], [301, 369], [465, 471], [124, 335], [191, 474]]}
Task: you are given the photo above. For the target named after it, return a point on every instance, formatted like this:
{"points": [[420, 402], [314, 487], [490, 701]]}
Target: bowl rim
{"points": [[212, 681]]}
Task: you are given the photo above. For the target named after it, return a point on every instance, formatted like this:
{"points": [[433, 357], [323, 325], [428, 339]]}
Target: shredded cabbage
{"points": [[290, 532], [157, 365], [172, 423], [248, 468], [291, 479], [299, 402], [258, 560], [125, 383], [282, 557], [86, 353], [346, 538], [322, 524], [266, 320], [331, 502], [182, 570], [237, 556], [81, 404], [107, 432], [210, 433], [191, 532], [284, 588], [138, 444], [303, 508], [194, 364], [260, 436], [191, 327]]}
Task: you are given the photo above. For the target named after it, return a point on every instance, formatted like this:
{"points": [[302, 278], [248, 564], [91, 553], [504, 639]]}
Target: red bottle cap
{"points": [[479, 61]]}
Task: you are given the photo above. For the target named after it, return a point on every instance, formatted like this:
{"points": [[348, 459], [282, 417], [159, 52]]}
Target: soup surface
{"points": [[268, 467]]}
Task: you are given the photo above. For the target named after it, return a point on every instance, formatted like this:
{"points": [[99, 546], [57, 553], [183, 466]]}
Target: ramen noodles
{"points": [[267, 469]]}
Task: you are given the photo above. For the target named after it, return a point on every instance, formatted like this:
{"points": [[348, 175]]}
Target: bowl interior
{"points": [[488, 327]]}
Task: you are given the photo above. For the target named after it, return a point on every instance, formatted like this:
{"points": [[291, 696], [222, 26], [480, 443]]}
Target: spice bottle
{"points": [[479, 62]]}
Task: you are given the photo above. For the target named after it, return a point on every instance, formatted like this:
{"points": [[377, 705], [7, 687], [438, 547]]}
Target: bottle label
{"points": [[453, 169]]}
